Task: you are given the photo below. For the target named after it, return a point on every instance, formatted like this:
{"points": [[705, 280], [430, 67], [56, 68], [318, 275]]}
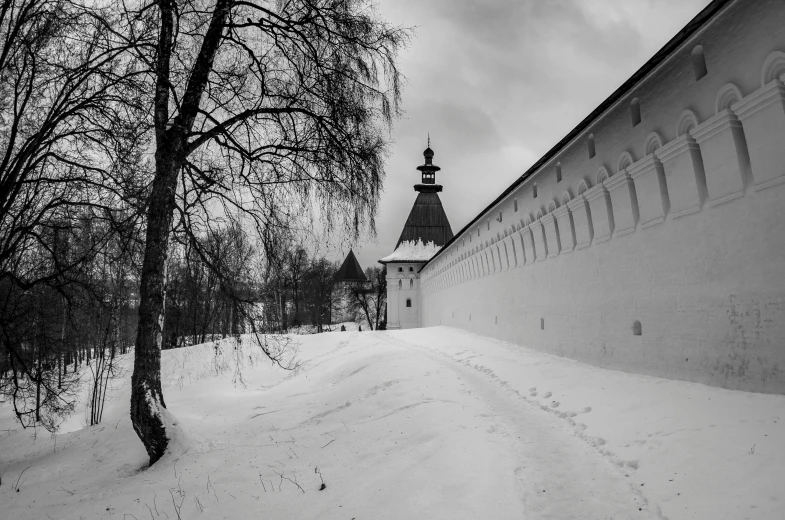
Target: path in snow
{"points": [[426, 423], [558, 475]]}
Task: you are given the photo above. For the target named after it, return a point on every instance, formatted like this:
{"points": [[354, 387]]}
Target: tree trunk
{"points": [[146, 395]]}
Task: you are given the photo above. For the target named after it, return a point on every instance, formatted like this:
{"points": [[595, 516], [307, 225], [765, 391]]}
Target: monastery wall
{"points": [[653, 242]]}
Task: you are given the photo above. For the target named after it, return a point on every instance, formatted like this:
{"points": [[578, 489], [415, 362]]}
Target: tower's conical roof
{"points": [[427, 221], [350, 271]]}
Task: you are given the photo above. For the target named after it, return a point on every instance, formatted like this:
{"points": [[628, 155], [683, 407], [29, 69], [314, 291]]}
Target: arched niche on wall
{"points": [[602, 175], [698, 62], [651, 143], [726, 96], [552, 206], [635, 111], [687, 122], [529, 220], [773, 68], [566, 197], [583, 186], [625, 161], [591, 147], [539, 214]]}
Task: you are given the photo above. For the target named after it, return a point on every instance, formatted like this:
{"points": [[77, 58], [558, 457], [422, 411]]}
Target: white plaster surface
{"points": [[708, 282]]}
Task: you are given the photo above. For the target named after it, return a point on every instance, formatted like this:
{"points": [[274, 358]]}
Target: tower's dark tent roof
{"points": [[350, 271], [427, 221]]}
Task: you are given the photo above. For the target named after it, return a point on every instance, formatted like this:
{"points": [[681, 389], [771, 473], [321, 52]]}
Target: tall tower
{"points": [[425, 232], [427, 220]]}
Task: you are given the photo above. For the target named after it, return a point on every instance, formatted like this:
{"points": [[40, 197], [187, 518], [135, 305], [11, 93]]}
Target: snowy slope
{"points": [[425, 423]]}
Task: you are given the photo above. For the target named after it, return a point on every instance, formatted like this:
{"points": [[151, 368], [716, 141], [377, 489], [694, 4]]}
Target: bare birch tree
{"points": [[267, 108]]}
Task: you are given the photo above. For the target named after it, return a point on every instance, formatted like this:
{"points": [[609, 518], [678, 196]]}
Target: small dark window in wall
{"points": [[489, 224], [542, 323], [400, 269], [590, 142], [635, 111], [411, 284], [515, 204], [411, 269], [500, 216], [636, 328], [400, 284], [408, 302], [495, 320], [558, 172], [699, 62], [534, 190]]}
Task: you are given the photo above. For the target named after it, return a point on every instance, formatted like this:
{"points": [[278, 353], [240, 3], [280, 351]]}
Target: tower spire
{"points": [[428, 171]]}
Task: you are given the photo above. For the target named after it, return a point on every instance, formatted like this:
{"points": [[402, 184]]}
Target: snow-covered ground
{"points": [[426, 423]]}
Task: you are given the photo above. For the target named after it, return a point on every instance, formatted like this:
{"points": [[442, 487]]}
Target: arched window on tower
{"points": [[400, 269], [411, 283], [408, 302], [400, 284]]}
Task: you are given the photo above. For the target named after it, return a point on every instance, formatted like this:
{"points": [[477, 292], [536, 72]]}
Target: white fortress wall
{"points": [[664, 253]]}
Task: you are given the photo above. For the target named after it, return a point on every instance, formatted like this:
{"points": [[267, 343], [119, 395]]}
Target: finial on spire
{"points": [[429, 139]]}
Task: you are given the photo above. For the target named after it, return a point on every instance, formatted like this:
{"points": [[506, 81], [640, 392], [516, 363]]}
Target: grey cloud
{"points": [[485, 77]]}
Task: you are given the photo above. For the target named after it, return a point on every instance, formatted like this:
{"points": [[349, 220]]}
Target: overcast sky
{"points": [[497, 83]]}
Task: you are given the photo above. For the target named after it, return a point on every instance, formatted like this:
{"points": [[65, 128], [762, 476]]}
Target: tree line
{"points": [[158, 162]]}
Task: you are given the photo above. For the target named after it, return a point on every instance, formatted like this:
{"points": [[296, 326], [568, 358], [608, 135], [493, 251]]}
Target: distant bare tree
{"points": [[71, 131], [368, 299], [269, 108], [318, 294]]}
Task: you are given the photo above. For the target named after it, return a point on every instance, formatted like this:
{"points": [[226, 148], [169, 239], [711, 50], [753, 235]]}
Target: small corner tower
{"points": [[425, 232], [349, 275]]}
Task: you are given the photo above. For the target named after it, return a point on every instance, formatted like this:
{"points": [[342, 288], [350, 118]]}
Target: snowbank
{"points": [[409, 251], [423, 423]]}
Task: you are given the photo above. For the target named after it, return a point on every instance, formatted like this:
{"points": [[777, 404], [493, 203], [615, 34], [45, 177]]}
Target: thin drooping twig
{"points": [[323, 486], [265, 413], [284, 477], [332, 441], [16, 486]]}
